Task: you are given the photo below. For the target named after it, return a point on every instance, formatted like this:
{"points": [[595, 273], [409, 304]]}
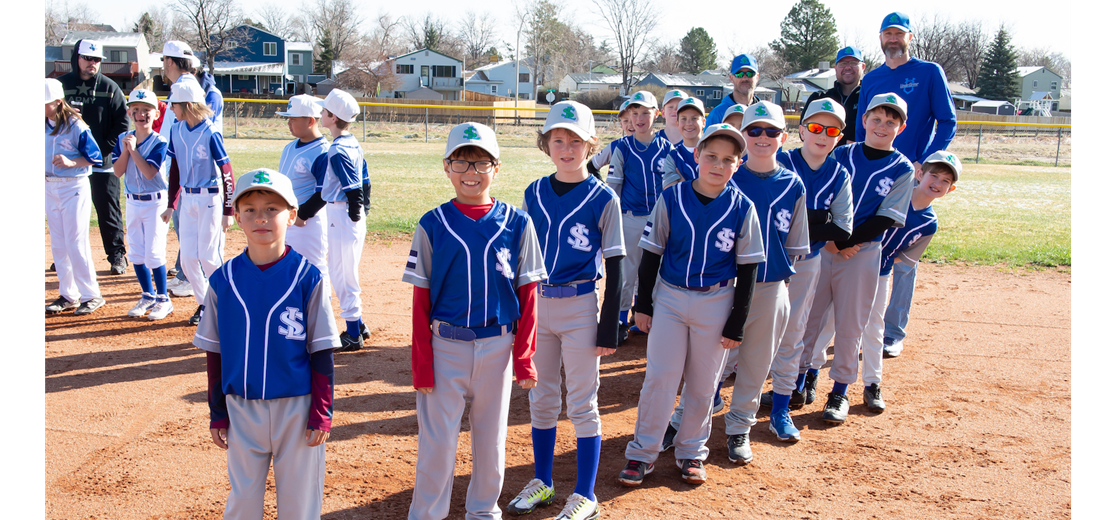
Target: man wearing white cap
{"points": [[103, 107]]}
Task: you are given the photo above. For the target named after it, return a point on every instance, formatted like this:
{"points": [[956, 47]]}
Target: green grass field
{"points": [[999, 214]]}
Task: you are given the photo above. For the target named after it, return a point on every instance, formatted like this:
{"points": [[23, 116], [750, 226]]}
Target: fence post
{"points": [[425, 125], [979, 144], [236, 116], [362, 109], [1059, 136]]}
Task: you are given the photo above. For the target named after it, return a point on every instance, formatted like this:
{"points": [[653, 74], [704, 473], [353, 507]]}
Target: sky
{"points": [[857, 21]]}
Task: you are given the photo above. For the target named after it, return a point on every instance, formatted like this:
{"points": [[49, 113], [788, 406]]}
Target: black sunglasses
{"points": [[757, 131], [90, 58], [745, 74]]}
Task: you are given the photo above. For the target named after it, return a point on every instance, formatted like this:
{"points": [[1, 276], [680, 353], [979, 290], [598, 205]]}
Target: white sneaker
{"points": [[893, 350], [579, 508], [161, 309], [535, 494], [180, 288], [145, 303]]}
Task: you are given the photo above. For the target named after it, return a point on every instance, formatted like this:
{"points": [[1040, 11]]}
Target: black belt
{"points": [[213, 189], [148, 196], [448, 331], [707, 288], [566, 291]]}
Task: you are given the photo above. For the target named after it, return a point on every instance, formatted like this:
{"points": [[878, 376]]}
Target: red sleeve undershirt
{"points": [[524, 345]]}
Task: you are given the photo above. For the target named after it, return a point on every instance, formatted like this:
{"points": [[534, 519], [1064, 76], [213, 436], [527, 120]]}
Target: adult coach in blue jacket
{"points": [[744, 74]]}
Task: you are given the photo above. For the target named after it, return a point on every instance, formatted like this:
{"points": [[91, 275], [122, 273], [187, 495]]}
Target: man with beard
{"points": [[744, 74], [849, 66]]}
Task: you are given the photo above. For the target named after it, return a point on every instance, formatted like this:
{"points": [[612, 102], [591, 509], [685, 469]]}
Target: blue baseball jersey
{"points": [[779, 200], [636, 172], [212, 98], [153, 150], [346, 169], [924, 87], [199, 151], [74, 142], [827, 188], [702, 243], [265, 324], [879, 188], [305, 164], [577, 230], [909, 242], [473, 267], [680, 165]]}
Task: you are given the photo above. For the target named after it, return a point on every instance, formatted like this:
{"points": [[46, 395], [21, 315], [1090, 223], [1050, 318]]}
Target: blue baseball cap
{"points": [[848, 52], [742, 62], [896, 20]]}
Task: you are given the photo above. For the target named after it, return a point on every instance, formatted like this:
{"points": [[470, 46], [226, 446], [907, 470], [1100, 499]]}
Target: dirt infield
{"points": [[967, 433]]}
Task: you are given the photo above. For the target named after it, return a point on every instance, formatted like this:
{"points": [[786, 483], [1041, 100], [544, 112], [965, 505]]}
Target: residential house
{"points": [[710, 89], [1039, 79], [427, 69], [579, 81], [298, 66], [127, 58], [794, 89], [963, 97], [255, 63], [497, 79]]}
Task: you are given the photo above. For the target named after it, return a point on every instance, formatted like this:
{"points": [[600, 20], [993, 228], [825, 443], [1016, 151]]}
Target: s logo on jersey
{"points": [[65, 145], [578, 238], [782, 220], [828, 201], [916, 237], [294, 328], [725, 240], [300, 165], [503, 267], [200, 153], [884, 186]]}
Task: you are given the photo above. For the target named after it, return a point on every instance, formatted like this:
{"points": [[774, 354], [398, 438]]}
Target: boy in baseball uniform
{"points": [[305, 161], [269, 333], [670, 130], [680, 164], [342, 191], [937, 178], [140, 158], [601, 158], [578, 222], [882, 181], [702, 236], [474, 265]]}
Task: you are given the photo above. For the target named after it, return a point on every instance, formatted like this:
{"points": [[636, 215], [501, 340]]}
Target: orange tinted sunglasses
{"points": [[817, 128]]}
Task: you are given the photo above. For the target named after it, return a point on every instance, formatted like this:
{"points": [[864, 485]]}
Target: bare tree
{"points": [[211, 26], [973, 43], [772, 66], [383, 40], [1043, 57], [367, 71], [938, 40], [341, 20], [477, 33], [64, 17], [631, 23], [276, 21], [431, 32], [542, 31], [664, 58]]}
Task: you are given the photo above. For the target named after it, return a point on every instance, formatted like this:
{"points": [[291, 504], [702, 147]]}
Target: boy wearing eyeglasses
{"points": [[882, 181], [474, 265], [829, 212], [744, 75]]}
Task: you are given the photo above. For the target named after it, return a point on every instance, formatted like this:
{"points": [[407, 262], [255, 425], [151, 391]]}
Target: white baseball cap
{"points": [[90, 48], [643, 98], [726, 130], [142, 95], [473, 134], [825, 106], [342, 104], [733, 110], [54, 90], [303, 105], [187, 91], [891, 100], [691, 102], [766, 112], [673, 94], [265, 179], [624, 106], [179, 49], [944, 157], [573, 116]]}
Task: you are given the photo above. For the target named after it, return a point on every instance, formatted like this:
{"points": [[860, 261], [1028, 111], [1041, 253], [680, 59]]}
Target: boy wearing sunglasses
{"points": [[882, 180], [744, 75], [829, 211]]}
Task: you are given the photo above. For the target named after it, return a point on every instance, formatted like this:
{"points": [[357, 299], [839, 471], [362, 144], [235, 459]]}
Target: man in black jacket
{"points": [[104, 108], [845, 90]]}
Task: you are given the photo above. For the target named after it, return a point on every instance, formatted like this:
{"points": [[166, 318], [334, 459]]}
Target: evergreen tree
{"points": [[432, 37], [324, 59], [808, 36], [150, 30], [998, 77], [697, 51]]}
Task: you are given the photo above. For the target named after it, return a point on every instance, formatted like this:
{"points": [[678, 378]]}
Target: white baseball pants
{"points": [[201, 239], [872, 343], [762, 334], [68, 210], [784, 369], [311, 241], [567, 338], [345, 242], [146, 233], [633, 229]]}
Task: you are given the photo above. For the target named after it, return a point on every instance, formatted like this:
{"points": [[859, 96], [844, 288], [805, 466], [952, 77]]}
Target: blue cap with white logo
{"points": [[742, 62], [898, 21], [848, 52]]}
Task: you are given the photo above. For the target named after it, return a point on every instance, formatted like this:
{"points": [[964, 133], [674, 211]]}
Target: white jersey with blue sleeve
{"points": [[577, 230], [702, 243], [199, 152], [680, 165], [827, 188], [74, 142], [779, 200], [473, 267], [909, 242], [153, 150], [265, 324], [879, 188], [636, 172], [345, 167], [305, 164]]}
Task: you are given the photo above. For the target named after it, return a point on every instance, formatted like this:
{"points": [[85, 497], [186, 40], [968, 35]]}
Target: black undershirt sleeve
{"points": [[611, 305], [311, 207], [822, 228], [741, 302], [866, 232], [354, 204], [649, 270]]}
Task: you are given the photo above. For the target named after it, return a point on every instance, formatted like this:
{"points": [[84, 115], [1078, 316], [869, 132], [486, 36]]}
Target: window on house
{"points": [[1034, 83], [269, 48], [716, 94], [524, 78], [244, 77], [699, 93], [493, 89], [1054, 85], [404, 69], [443, 71], [295, 59], [118, 56]]}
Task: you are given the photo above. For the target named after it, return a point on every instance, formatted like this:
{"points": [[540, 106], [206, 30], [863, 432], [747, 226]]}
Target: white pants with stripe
{"points": [[68, 210], [872, 343], [567, 338], [633, 229], [272, 429], [762, 334], [311, 241], [345, 242], [201, 239], [146, 233]]}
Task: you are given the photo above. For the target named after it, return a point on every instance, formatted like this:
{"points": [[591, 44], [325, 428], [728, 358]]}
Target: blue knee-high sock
{"points": [[624, 317], [840, 388], [589, 453], [352, 329], [543, 452], [160, 279], [800, 384], [143, 274], [779, 402]]}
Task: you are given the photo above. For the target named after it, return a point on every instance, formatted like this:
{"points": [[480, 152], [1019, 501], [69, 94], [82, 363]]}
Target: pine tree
{"points": [[808, 36], [323, 61], [998, 77], [697, 51]]}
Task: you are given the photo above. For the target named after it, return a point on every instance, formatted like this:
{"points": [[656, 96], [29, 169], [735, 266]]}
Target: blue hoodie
{"points": [[925, 88]]}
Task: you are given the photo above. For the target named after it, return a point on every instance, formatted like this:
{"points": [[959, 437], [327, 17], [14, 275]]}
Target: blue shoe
{"points": [[783, 426], [718, 403], [635, 329]]}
